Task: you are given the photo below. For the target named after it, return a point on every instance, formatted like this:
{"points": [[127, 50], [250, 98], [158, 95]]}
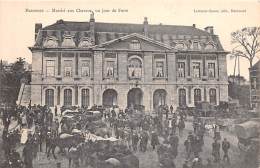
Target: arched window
{"points": [[85, 97], [182, 97], [49, 97], [135, 68], [159, 98], [197, 96], [67, 97], [212, 96]]}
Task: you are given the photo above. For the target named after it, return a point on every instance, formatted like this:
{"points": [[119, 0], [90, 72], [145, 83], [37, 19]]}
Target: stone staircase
{"points": [[24, 96]]}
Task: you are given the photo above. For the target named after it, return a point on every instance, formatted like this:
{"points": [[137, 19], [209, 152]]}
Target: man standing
{"points": [[167, 113], [135, 140], [171, 109], [154, 139], [181, 126], [143, 141], [216, 150], [28, 155], [55, 111], [56, 126], [188, 147], [225, 148]]}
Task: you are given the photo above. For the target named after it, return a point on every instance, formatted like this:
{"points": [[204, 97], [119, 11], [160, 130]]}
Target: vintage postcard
{"points": [[129, 84]]}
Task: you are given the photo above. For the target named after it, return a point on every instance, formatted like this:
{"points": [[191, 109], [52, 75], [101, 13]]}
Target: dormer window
{"points": [[210, 46], [85, 42], [180, 46], [135, 45], [68, 41], [51, 42], [195, 45]]}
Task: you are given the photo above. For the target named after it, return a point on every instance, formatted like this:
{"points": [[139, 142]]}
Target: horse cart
{"points": [[248, 135]]}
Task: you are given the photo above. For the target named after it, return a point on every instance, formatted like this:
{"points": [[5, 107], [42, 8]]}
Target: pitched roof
{"points": [[126, 28], [138, 36], [105, 32]]}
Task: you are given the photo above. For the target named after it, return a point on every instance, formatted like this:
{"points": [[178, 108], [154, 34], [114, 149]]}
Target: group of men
{"points": [[157, 130]]}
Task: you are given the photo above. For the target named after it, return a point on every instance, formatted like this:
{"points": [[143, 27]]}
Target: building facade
{"points": [[255, 85], [87, 63]]}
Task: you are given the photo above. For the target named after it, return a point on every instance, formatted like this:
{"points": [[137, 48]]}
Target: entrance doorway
{"points": [[159, 98], [134, 97], [109, 98]]}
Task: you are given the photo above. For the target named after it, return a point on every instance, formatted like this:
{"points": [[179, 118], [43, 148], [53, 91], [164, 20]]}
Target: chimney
{"points": [[209, 29], [145, 27], [38, 26], [194, 25], [92, 27]]}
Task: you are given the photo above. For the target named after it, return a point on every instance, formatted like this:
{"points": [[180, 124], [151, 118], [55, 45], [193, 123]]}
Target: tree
{"points": [[247, 43], [11, 81]]}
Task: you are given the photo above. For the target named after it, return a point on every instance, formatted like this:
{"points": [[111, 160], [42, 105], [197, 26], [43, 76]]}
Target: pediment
{"points": [[134, 42]]}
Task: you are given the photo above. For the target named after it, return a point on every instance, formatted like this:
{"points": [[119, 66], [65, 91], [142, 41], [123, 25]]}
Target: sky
{"points": [[17, 25]]}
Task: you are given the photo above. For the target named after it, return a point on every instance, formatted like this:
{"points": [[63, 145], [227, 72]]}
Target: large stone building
{"points": [[87, 63], [255, 85]]}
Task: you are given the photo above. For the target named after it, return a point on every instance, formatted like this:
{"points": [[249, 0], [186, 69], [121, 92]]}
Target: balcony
{"points": [[59, 77], [204, 78], [77, 77], [189, 78]]}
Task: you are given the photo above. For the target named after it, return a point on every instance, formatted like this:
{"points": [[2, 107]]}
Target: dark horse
{"points": [[64, 141]]}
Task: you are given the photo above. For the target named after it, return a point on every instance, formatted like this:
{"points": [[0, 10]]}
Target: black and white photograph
{"points": [[129, 84]]}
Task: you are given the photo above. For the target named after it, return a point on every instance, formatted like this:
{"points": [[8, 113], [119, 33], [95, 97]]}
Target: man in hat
{"points": [[143, 141], [56, 126], [216, 150], [154, 139], [188, 147], [225, 148], [135, 139]]}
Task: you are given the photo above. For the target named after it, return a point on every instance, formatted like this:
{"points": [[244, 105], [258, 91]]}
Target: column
{"points": [[188, 64], [58, 95], [171, 61], [204, 65], [76, 64], [59, 63]]}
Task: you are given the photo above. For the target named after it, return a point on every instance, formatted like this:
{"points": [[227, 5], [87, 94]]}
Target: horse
{"points": [[64, 141]]}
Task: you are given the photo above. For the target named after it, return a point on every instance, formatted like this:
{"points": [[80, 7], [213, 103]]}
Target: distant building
{"points": [[87, 63], [255, 84]]}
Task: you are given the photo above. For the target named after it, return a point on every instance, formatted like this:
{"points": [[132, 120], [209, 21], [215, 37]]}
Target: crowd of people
{"points": [[136, 130]]}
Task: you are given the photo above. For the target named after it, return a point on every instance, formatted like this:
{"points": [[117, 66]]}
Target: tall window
{"points": [[181, 69], [67, 97], [196, 69], [195, 45], [49, 97], [159, 69], [212, 96], [182, 97], [135, 45], [253, 83], [68, 68], [211, 70], [197, 96], [135, 68], [85, 68], [85, 97], [110, 65], [50, 68]]}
